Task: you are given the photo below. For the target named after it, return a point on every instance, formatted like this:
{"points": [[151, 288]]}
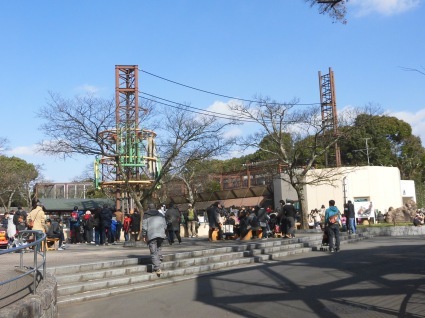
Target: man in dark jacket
{"points": [[263, 220], [213, 213], [351, 217], [105, 225], [5, 220], [173, 219], [289, 212], [153, 233], [53, 230]]}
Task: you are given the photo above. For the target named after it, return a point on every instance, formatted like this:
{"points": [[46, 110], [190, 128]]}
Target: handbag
{"points": [[30, 223], [227, 229], [333, 219]]}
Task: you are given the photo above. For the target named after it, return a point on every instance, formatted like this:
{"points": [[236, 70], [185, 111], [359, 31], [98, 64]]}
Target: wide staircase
{"points": [[103, 279]]}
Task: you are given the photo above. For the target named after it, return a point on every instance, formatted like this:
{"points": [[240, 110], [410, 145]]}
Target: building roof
{"points": [[65, 205], [238, 202]]}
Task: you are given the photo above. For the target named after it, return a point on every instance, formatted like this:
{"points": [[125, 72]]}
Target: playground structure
{"points": [[133, 162]]}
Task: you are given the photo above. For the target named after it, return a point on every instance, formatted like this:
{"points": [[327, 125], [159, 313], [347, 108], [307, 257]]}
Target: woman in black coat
{"points": [[135, 224]]}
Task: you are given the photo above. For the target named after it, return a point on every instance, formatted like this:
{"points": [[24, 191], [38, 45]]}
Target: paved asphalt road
{"points": [[380, 277]]}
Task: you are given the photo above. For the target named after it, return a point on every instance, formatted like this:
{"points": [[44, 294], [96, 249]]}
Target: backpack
{"points": [[126, 225], [190, 215], [333, 219], [253, 221], [87, 222], [74, 217]]}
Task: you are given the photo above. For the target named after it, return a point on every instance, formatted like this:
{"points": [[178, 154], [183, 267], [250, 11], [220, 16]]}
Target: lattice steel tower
{"points": [[134, 162], [329, 113]]}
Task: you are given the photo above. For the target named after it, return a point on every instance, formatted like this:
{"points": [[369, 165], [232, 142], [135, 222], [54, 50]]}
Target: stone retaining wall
{"points": [[393, 230], [40, 305]]}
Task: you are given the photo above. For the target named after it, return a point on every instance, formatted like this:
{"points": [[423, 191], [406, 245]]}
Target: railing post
{"points": [[44, 257], [35, 264], [21, 252]]}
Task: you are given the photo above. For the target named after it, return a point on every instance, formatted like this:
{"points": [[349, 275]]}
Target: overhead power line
{"points": [[212, 93], [204, 111], [197, 110]]}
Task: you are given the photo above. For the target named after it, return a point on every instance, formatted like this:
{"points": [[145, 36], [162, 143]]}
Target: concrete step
{"points": [[85, 276], [82, 280], [344, 239], [168, 277], [70, 269], [97, 280], [103, 288]]}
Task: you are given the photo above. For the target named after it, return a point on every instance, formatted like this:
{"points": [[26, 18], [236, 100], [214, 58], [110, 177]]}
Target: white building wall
{"points": [[408, 191], [380, 184]]}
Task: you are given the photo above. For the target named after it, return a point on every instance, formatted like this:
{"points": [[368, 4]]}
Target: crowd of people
{"points": [[237, 222], [103, 226]]}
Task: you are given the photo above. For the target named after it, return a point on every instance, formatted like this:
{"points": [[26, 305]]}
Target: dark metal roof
{"points": [[64, 205], [238, 202]]}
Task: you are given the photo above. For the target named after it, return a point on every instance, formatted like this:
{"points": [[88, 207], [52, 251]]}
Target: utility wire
{"points": [[205, 112], [202, 112], [242, 118], [212, 93]]}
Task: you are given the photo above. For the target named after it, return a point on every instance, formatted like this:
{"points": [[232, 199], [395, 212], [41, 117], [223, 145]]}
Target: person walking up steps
{"points": [[154, 227]]}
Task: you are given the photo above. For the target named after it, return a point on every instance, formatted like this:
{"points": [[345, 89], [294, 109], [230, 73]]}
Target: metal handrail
{"points": [[37, 243]]}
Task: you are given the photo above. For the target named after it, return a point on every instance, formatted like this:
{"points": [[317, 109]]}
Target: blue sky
{"points": [[238, 48]]}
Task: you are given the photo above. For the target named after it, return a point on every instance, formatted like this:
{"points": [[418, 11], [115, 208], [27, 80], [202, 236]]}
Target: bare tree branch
{"points": [[336, 9], [408, 69], [80, 126], [295, 137]]}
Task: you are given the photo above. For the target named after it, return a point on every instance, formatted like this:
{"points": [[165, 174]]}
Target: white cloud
{"points": [[233, 132], [416, 120], [222, 108], [384, 7], [89, 89], [23, 151], [243, 129]]}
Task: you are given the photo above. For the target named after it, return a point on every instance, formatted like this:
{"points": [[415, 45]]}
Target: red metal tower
{"points": [[329, 113], [134, 162]]}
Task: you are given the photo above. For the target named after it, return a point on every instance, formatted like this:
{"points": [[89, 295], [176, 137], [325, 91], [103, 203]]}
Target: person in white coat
{"points": [[11, 229]]}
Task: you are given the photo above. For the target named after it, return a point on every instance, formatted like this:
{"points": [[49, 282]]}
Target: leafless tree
{"points": [[75, 126], [188, 140], [3, 144], [295, 137], [418, 70], [336, 9]]}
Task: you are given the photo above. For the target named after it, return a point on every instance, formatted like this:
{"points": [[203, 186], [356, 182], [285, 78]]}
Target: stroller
{"points": [[325, 240], [19, 240], [228, 228]]}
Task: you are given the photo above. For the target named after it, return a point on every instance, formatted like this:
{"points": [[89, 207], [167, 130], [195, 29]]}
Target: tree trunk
{"points": [[303, 211]]}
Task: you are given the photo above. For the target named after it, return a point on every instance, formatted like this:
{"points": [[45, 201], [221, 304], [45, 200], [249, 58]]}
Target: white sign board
{"points": [[363, 208]]}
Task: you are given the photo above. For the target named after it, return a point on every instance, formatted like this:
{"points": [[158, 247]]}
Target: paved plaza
{"points": [[378, 277]]}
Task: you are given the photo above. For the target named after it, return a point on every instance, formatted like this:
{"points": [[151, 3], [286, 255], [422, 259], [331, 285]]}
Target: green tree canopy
{"points": [[16, 178], [389, 143]]}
